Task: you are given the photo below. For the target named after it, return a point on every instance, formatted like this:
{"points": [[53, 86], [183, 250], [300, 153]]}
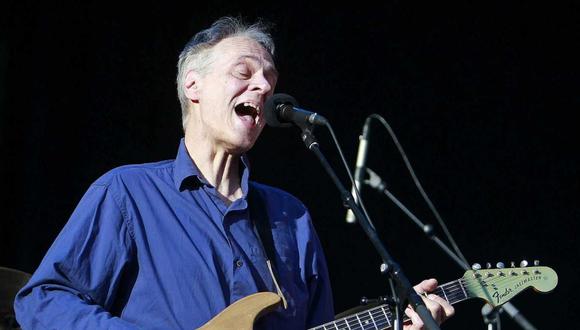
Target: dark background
{"points": [[481, 96]]}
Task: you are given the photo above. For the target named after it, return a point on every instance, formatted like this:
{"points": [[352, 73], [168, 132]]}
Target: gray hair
{"points": [[196, 53]]}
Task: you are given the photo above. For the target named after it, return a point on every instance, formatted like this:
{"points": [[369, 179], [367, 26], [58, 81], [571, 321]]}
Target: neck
{"points": [[381, 317], [219, 167]]}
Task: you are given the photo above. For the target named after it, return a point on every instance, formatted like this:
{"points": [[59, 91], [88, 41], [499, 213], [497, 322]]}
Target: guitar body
{"points": [[242, 314]]}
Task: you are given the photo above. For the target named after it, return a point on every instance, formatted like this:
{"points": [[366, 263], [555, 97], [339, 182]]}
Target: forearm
{"points": [[76, 283], [49, 306]]}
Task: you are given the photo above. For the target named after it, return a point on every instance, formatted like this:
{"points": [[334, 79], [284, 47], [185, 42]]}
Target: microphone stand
{"points": [[403, 292], [490, 315]]}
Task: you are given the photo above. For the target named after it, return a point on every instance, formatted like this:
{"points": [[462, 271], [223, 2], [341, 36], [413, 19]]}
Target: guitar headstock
{"points": [[497, 286]]}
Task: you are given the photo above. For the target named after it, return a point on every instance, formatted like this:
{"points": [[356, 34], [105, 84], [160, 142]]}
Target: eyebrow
{"points": [[270, 68]]}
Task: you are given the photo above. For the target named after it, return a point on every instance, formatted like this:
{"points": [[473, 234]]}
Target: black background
{"points": [[481, 96]]}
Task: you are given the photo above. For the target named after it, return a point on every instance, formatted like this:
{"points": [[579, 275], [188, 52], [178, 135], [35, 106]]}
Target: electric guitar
{"points": [[496, 286]]}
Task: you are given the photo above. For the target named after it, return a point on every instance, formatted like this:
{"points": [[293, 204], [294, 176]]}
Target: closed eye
{"points": [[242, 71]]}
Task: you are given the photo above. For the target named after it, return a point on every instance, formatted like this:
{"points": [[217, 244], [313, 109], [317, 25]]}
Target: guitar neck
{"points": [[496, 286], [381, 316]]}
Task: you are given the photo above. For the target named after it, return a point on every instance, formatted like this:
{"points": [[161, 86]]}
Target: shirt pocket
{"points": [[284, 238]]}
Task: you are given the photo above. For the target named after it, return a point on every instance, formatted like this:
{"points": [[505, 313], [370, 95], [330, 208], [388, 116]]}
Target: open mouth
{"points": [[247, 111]]}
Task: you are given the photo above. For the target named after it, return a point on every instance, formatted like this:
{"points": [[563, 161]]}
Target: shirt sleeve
{"points": [[76, 283]]}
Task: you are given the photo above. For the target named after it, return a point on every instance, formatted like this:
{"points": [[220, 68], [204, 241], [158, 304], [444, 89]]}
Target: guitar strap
{"points": [[259, 216]]}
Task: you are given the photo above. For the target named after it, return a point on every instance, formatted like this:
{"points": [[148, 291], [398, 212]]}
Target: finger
{"points": [[426, 285], [435, 308], [416, 322], [448, 309]]}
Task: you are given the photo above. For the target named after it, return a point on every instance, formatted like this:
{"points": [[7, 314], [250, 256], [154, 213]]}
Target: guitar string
{"points": [[369, 317], [379, 313], [363, 322], [376, 317], [354, 323], [372, 318], [453, 292]]}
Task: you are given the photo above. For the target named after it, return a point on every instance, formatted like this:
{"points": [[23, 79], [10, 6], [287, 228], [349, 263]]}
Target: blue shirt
{"points": [[152, 246]]}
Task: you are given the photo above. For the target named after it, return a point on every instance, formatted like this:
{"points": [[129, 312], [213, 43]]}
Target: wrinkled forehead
{"points": [[238, 48]]}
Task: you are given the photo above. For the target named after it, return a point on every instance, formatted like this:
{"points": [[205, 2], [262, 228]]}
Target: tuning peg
{"points": [[536, 262], [476, 266], [487, 265], [384, 268], [512, 264], [524, 263], [500, 265]]}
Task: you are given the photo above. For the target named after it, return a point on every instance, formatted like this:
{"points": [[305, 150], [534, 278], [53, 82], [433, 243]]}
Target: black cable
{"points": [[403, 291], [419, 186], [508, 307], [360, 202]]}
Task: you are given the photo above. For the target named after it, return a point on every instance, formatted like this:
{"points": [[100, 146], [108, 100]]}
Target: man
{"points": [[169, 245]]}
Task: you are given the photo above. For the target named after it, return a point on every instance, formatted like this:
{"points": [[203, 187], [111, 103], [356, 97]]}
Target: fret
{"points": [[330, 325], [373, 320], [444, 294], [346, 322], [386, 316], [452, 292], [378, 317], [343, 326], [358, 319], [365, 319], [462, 288]]}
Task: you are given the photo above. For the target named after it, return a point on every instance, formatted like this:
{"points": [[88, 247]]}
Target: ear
{"points": [[191, 85]]}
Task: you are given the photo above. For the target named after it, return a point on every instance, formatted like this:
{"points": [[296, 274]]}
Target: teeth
{"points": [[249, 104]]}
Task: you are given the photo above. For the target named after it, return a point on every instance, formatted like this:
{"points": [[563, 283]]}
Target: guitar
{"points": [[496, 286]]}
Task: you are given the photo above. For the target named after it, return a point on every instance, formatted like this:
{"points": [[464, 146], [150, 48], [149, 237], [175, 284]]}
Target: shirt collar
{"points": [[187, 175]]}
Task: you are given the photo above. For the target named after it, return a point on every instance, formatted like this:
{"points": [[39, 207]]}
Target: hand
{"points": [[440, 309]]}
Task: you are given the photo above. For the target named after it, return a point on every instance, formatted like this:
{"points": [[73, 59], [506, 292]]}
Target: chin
{"points": [[244, 142], [240, 147]]}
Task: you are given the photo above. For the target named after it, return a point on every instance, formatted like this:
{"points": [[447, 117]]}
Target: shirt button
{"points": [[239, 263]]}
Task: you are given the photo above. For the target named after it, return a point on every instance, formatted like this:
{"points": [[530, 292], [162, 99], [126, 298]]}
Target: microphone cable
{"points": [[345, 164], [419, 186], [361, 204]]}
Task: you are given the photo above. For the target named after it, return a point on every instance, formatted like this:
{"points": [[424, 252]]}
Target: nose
{"points": [[260, 83]]}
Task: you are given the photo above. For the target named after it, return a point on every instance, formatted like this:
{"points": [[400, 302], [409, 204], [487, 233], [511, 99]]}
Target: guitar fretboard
{"points": [[381, 316]]}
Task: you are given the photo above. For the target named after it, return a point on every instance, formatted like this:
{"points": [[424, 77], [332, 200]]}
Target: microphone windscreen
{"points": [[270, 111]]}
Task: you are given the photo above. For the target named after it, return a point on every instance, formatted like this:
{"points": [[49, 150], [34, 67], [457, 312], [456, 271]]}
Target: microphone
{"points": [[281, 110], [360, 168]]}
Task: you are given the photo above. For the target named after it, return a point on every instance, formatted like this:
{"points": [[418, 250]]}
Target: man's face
{"points": [[231, 95]]}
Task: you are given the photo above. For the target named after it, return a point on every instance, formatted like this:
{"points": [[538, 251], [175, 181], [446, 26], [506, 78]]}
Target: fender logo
{"points": [[499, 296]]}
